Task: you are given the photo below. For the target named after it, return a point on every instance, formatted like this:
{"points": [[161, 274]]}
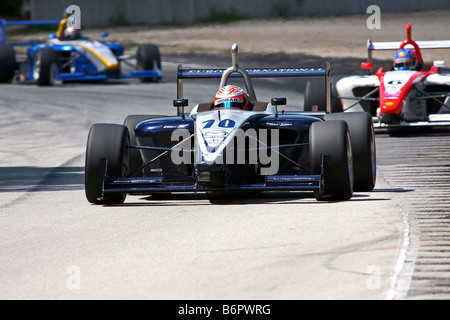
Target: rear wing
{"points": [[437, 44], [254, 72], [236, 71], [396, 45], [4, 24]]}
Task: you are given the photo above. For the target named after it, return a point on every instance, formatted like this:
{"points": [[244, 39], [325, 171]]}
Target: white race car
{"points": [[409, 94]]}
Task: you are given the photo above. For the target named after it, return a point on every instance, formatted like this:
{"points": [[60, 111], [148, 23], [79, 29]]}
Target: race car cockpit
{"points": [[71, 34]]}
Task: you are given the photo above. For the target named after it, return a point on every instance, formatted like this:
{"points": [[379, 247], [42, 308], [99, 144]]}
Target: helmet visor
{"points": [[403, 63], [402, 66], [239, 103]]}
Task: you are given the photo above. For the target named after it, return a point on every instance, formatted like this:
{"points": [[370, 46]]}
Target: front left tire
{"points": [[332, 140], [105, 142], [363, 145], [148, 57]]}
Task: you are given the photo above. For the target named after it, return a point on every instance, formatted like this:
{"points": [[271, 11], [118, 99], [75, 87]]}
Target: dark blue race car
{"points": [[69, 56], [234, 143]]}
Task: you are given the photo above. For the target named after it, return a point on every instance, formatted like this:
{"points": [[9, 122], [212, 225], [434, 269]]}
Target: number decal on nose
{"points": [[227, 123], [208, 124]]}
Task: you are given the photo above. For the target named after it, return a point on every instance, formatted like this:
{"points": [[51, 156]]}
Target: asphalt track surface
{"points": [[391, 243]]}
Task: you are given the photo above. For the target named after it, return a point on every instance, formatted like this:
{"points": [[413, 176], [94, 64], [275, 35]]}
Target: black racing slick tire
{"points": [[332, 140], [363, 146], [7, 63], [44, 67], [336, 104], [315, 95], [148, 57], [105, 142], [135, 155]]}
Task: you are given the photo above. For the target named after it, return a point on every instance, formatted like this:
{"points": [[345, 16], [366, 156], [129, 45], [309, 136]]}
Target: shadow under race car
{"points": [[225, 150]]}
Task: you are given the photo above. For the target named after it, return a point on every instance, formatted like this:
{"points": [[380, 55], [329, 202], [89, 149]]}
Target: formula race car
{"points": [[69, 56], [406, 94], [234, 143]]}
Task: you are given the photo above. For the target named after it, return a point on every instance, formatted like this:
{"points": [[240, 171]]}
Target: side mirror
{"points": [[367, 65], [104, 35], [278, 102], [439, 63], [51, 36], [180, 104]]}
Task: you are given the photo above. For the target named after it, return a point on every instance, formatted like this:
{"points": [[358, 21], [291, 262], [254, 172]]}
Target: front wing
{"points": [[155, 185], [434, 120], [155, 73], [79, 76]]}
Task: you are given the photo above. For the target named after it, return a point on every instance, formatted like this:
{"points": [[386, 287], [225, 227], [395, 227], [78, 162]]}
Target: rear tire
{"points": [[336, 105], [363, 146], [105, 141], [135, 155], [332, 138], [315, 96], [148, 57], [8, 64], [44, 67]]}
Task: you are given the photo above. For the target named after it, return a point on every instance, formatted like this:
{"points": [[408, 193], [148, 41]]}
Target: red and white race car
{"points": [[407, 94]]}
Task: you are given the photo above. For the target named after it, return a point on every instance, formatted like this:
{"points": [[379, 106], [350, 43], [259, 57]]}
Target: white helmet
{"points": [[231, 97]]}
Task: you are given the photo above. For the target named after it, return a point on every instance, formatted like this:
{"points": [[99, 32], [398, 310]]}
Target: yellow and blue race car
{"points": [[70, 56]]}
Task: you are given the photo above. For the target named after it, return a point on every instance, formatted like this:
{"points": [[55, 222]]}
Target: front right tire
{"points": [[44, 67], [7, 63]]}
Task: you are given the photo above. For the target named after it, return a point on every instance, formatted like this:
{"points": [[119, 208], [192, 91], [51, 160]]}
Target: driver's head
{"points": [[405, 59], [231, 97], [71, 33]]}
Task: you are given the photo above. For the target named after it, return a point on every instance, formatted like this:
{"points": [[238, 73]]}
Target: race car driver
{"points": [[231, 96], [406, 59], [71, 33]]}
